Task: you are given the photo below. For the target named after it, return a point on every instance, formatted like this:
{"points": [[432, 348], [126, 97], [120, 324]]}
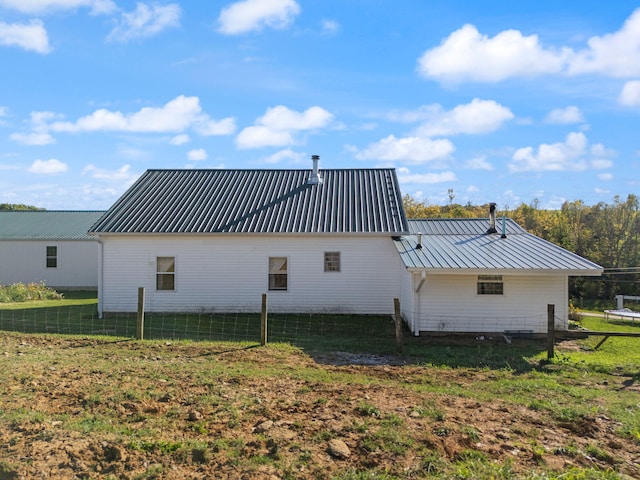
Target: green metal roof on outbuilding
{"points": [[259, 201], [462, 245], [47, 224]]}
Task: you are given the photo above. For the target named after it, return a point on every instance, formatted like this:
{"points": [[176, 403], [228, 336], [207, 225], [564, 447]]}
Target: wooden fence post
{"points": [[263, 321], [551, 331], [140, 318], [398, 319]]}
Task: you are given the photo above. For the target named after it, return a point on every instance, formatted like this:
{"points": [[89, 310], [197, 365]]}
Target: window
{"points": [[331, 261], [165, 273], [52, 257], [490, 285], [277, 273]]}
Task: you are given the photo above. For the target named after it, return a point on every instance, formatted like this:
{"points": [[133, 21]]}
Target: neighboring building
{"points": [[466, 275], [216, 240], [49, 246]]}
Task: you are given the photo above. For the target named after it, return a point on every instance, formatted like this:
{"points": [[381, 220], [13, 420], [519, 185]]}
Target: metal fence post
{"points": [[263, 321]]}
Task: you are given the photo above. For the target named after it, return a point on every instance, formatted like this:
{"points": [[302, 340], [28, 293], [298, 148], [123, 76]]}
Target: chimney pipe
{"points": [[419, 244], [492, 219], [315, 178]]}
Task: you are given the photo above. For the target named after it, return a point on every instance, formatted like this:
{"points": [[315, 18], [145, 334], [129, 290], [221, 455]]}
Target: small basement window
{"points": [[165, 273], [278, 273], [52, 257], [490, 285], [331, 261]]}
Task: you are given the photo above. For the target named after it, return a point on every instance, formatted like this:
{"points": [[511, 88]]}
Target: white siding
{"points": [[24, 261], [229, 273], [450, 303], [407, 299]]}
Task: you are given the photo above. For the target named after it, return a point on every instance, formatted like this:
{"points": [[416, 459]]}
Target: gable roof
{"points": [[462, 246], [47, 224], [259, 201]]}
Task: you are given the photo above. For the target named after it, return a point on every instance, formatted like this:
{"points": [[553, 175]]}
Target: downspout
{"points": [[417, 309], [100, 282]]}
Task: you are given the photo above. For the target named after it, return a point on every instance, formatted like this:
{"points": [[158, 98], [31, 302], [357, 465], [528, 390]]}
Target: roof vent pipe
{"points": [[504, 227], [492, 219], [419, 244], [315, 178]]}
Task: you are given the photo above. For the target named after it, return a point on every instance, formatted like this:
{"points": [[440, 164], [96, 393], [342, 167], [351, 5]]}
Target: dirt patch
{"points": [[83, 408]]}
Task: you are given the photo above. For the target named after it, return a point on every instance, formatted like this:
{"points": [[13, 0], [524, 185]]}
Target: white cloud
{"points": [[46, 6], [479, 163], [330, 27], [476, 117], [48, 167], [253, 15], [630, 94], [175, 116], [570, 114], [430, 178], [287, 155], [197, 154], [615, 54], [30, 36], [278, 125], [34, 138], [180, 139], [145, 21], [605, 177], [123, 173], [570, 155], [410, 150], [209, 128], [468, 55]]}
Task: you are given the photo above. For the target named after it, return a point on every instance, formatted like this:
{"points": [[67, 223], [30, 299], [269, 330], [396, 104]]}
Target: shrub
{"points": [[20, 292]]}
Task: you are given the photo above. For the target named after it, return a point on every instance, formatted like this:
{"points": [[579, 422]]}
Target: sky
{"points": [[470, 101]]}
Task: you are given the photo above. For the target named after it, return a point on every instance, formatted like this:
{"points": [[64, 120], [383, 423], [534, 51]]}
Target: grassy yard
{"points": [[87, 406]]}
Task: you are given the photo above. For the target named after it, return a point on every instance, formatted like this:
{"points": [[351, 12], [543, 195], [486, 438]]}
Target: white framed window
{"points": [[490, 285], [278, 273], [165, 273], [331, 261], [52, 256]]}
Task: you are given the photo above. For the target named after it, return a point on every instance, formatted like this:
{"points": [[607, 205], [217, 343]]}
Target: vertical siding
{"points": [[449, 303], [230, 272], [24, 261]]}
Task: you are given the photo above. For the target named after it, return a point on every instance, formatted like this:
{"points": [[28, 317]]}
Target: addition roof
{"points": [[47, 224], [259, 201], [463, 246]]}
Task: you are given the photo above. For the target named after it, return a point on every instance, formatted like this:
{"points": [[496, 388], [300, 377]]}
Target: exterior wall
{"points": [[25, 261], [407, 299], [450, 303], [229, 273]]}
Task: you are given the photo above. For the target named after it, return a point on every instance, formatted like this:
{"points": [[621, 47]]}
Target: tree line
{"points": [[605, 233]]}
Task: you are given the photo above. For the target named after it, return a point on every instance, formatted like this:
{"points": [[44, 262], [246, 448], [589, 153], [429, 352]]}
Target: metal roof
{"points": [[259, 201], [47, 224], [462, 246]]}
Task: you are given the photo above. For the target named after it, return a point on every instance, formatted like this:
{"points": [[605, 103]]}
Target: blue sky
{"points": [[505, 102]]}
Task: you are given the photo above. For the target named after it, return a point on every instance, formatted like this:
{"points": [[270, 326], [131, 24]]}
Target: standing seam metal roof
{"points": [[47, 224], [463, 245], [259, 201]]}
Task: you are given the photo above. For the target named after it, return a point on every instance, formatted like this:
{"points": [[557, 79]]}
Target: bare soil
{"points": [[85, 408]]}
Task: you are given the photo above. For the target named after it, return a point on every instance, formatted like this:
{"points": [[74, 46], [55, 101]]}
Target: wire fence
{"points": [[351, 332]]}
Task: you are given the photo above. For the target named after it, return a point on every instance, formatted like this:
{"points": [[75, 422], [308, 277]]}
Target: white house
{"points": [[216, 240], [49, 246], [469, 275], [322, 241]]}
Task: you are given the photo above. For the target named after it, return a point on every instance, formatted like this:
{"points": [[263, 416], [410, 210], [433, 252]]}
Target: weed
{"points": [[366, 409]]}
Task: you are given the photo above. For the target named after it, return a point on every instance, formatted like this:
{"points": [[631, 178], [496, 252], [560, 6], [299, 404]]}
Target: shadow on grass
{"points": [[368, 339]]}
